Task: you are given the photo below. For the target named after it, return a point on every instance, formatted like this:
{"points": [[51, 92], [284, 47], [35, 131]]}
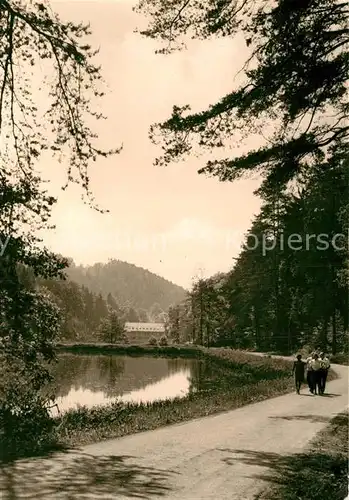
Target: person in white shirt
{"points": [[310, 375], [315, 367], [325, 366]]}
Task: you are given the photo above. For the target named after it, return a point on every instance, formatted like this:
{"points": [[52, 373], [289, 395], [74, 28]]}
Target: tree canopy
{"points": [[295, 79], [48, 84], [294, 95]]}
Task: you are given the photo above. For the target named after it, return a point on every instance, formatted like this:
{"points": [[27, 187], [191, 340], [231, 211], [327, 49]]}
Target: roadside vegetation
{"points": [[320, 472], [275, 298], [340, 359], [153, 349], [227, 379]]}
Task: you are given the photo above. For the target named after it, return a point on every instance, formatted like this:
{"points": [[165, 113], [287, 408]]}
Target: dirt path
{"points": [[223, 457]]}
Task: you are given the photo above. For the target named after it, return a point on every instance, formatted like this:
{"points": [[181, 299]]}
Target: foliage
{"points": [[287, 287], [33, 33], [294, 79], [223, 380], [178, 325], [131, 287], [112, 328], [294, 96], [152, 341], [25, 423], [34, 40], [341, 359], [163, 341], [326, 458]]}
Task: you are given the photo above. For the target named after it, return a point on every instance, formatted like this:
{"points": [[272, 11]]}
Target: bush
{"points": [[152, 341], [125, 339], [163, 341], [340, 359], [25, 432]]}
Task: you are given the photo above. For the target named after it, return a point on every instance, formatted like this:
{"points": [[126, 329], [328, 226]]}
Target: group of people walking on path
{"points": [[316, 367]]}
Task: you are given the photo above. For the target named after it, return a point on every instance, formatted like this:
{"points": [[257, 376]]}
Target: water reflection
{"points": [[97, 380]]}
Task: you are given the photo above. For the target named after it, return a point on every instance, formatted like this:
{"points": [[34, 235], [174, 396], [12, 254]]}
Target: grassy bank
{"points": [[132, 350], [228, 380], [340, 359], [321, 472]]}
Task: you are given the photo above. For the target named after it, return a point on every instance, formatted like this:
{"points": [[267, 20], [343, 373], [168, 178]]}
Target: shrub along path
{"points": [[226, 456]]}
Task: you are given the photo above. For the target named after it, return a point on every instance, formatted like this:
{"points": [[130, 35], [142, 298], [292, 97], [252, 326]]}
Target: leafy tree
{"points": [[153, 341], [112, 302], [155, 312], [295, 82], [163, 341], [112, 328], [143, 315], [32, 33], [172, 326], [179, 323], [291, 293], [101, 310], [130, 314]]}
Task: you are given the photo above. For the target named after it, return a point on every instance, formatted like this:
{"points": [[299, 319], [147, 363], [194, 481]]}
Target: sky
{"points": [[170, 220]]}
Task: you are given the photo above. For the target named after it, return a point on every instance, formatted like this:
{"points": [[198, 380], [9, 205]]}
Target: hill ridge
{"points": [[128, 283]]}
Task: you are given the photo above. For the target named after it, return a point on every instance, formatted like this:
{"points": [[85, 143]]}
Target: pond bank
{"points": [[132, 350], [238, 379]]}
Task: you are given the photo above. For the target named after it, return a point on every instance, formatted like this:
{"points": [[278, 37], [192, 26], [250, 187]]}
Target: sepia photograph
{"points": [[174, 249]]}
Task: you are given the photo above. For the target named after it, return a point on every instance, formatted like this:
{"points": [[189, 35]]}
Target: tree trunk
{"points": [[201, 317], [334, 333], [323, 337], [257, 328]]}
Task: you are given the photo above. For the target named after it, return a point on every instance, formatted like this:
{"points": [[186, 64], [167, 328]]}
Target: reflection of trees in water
{"points": [[112, 375], [208, 375], [110, 370], [176, 365], [203, 373], [197, 376], [199, 369], [97, 373]]}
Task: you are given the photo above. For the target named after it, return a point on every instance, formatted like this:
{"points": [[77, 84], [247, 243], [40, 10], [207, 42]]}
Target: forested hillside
{"points": [[294, 98], [129, 284], [89, 316], [289, 286]]}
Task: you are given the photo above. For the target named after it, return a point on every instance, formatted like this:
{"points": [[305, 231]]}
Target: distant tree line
{"points": [[292, 103], [129, 284], [289, 285], [86, 315]]}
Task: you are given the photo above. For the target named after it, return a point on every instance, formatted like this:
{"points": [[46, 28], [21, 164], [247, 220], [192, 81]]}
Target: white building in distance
{"points": [[145, 327]]}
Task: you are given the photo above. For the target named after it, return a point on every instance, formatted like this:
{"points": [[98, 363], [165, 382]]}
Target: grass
{"points": [[229, 379], [225, 379], [340, 359], [321, 472], [132, 350]]}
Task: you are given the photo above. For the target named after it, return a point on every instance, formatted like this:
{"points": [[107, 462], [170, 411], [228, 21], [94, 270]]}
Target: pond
{"points": [[98, 380]]}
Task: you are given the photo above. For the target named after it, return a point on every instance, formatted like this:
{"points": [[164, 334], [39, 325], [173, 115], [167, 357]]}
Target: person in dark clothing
{"points": [[298, 371], [323, 372]]}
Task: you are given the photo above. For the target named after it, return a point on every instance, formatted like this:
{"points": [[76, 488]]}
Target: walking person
{"points": [[298, 371], [325, 366], [315, 368], [310, 375]]}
